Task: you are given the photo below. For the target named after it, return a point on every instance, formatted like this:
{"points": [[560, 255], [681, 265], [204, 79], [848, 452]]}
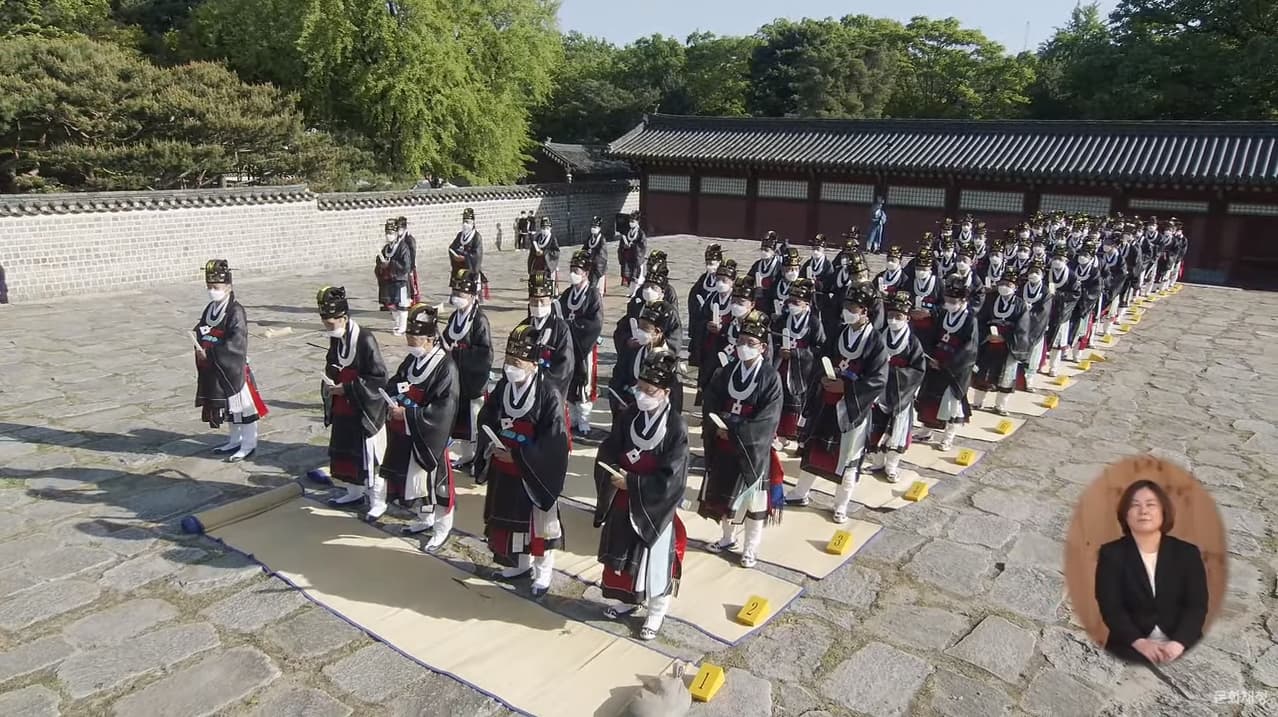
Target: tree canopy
{"points": [[158, 93]]}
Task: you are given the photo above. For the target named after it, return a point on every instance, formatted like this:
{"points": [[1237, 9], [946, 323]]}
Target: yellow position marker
{"points": [[917, 492], [754, 612], [1003, 428], [707, 683], [840, 544], [1107, 340], [1097, 357], [1085, 365], [966, 457], [1061, 381], [1051, 401]]}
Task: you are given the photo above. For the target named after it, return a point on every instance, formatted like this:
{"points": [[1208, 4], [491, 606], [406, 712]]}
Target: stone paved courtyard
{"points": [[956, 609]]}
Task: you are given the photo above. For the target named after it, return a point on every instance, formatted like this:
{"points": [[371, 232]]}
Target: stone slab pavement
{"points": [[106, 608]]}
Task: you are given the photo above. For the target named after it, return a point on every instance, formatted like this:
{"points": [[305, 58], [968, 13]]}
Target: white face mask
{"points": [[739, 310], [539, 311], [893, 264], [515, 374], [643, 338], [1024, 235], [947, 253], [978, 240], [797, 309], [748, 353], [594, 231], [577, 277], [1040, 251], [712, 267], [852, 318], [767, 254], [467, 226], [897, 324], [818, 254], [1035, 278], [967, 227], [1006, 290], [963, 267], [1084, 259], [217, 296], [418, 351], [1022, 255], [723, 287], [923, 274], [791, 274], [1058, 264], [337, 333], [651, 294], [953, 306], [458, 302], [390, 237], [646, 402]]}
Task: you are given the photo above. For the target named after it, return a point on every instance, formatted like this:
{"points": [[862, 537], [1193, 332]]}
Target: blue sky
{"points": [[1003, 21]]}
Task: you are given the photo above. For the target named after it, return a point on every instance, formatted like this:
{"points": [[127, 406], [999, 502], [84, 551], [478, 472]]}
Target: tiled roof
{"points": [[585, 159], [92, 202], [1220, 153]]}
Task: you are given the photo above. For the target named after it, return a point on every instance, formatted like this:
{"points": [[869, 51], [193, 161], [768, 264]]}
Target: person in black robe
{"points": [[744, 479], [394, 269], [925, 288], [892, 279], [1065, 289], [1037, 297], [831, 302], [926, 244], [649, 338], [892, 420], [942, 402], [1004, 323], [415, 468], [767, 269], [642, 540], [655, 263], [975, 287], [1113, 278], [723, 329], [994, 265], [467, 249], [836, 421], [554, 337], [543, 253], [523, 231], [597, 248], [798, 342], [979, 249], [468, 338], [632, 249], [525, 468], [702, 289], [1149, 250], [414, 285], [820, 269], [582, 308], [354, 409], [1088, 272], [225, 387], [774, 299], [656, 287]]}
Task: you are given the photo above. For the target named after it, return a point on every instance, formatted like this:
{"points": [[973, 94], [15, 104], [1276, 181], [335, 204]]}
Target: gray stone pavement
{"points": [[106, 608]]}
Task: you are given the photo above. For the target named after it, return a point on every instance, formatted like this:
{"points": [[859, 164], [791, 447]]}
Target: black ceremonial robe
{"points": [[469, 341], [354, 362], [582, 309], [907, 365], [766, 272], [535, 431], [467, 252], [394, 273], [597, 247], [416, 462], [625, 376], [673, 329], [748, 399], [1113, 277], [798, 341], [1010, 316], [543, 254], [954, 349], [1087, 310], [654, 459], [702, 289], [632, 251], [860, 363], [821, 272], [1068, 291], [556, 358], [223, 334]]}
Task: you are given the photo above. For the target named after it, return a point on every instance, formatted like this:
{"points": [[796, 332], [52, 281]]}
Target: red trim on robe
{"points": [[251, 382], [594, 374]]}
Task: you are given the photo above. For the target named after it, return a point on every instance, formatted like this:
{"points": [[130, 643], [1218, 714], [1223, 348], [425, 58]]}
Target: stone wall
{"points": [[54, 245]]}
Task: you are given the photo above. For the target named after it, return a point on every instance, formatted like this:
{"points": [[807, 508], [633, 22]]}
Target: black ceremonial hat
{"points": [[523, 343], [657, 259], [423, 320], [401, 222], [819, 241], [660, 368], [658, 313], [792, 259], [728, 269], [802, 289], [756, 324], [743, 287], [714, 252], [331, 301], [901, 302], [769, 241], [540, 285], [596, 222], [894, 252], [468, 214], [217, 271], [1010, 275], [465, 281], [390, 226], [658, 276], [955, 288], [545, 222], [581, 259], [859, 294]]}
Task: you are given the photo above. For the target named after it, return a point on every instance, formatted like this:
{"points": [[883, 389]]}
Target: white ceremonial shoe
{"points": [[354, 494], [947, 441], [232, 440], [248, 444], [893, 466], [749, 560]]}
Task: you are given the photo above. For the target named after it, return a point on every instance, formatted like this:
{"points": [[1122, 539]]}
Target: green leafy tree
{"points": [[80, 114], [1072, 66], [653, 68], [717, 74], [54, 17], [587, 105], [813, 68]]}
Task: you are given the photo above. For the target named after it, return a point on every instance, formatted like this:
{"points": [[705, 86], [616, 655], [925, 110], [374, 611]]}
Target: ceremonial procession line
{"points": [[438, 611]]}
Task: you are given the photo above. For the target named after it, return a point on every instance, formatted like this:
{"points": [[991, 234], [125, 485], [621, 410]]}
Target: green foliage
{"points": [[54, 17], [80, 114], [812, 68], [718, 74]]}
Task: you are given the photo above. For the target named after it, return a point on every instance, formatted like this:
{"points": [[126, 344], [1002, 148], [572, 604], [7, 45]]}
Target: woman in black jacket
{"points": [[1151, 587]]}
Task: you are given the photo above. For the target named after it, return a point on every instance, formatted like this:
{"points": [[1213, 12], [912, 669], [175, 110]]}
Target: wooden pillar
{"points": [[694, 200], [752, 203], [1220, 246], [952, 191], [814, 206], [1033, 199]]}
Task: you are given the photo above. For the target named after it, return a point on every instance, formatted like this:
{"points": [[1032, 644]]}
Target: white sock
{"points": [[525, 562], [543, 570], [248, 441], [892, 464], [657, 609], [753, 537], [978, 399], [729, 531], [233, 438], [800, 491], [1000, 400], [443, 526]]}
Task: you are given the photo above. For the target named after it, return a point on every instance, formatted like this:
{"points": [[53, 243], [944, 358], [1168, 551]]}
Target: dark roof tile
{"points": [[1222, 153]]}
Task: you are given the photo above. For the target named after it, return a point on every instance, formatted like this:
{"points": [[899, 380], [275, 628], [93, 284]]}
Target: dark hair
{"points": [[1125, 504]]}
